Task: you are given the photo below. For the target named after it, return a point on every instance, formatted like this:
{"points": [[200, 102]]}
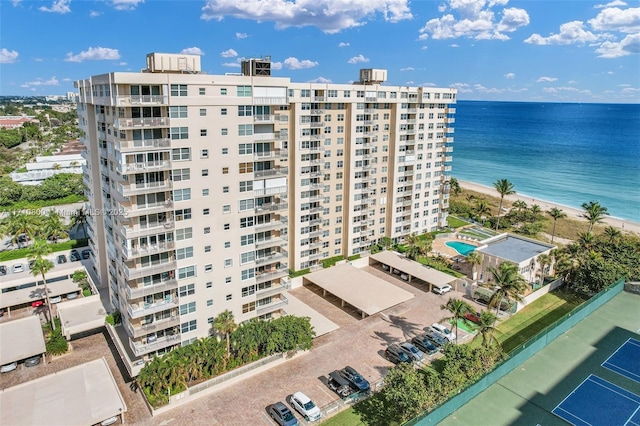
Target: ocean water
{"points": [[565, 153]]}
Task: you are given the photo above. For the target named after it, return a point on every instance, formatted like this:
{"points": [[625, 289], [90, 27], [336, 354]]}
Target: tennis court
{"points": [[599, 402], [625, 360]]}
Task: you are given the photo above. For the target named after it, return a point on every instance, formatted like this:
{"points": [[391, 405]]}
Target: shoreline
{"points": [[572, 212]]}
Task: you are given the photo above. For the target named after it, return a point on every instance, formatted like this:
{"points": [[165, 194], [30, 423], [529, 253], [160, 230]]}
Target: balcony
{"points": [[269, 226], [143, 271], [272, 258], [269, 242], [317, 124], [153, 327], [136, 123], [144, 187], [140, 349], [264, 136], [264, 118], [133, 209], [277, 153], [274, 305], [142, 144], [134, 231], [272, 207], [149, 166], [316, 112], [131, 253], [129, 100], [279, 171], [137, 310], [271, 274], [270, 101], [138, 292], [412, 110], [270, 291], [408, 172]]}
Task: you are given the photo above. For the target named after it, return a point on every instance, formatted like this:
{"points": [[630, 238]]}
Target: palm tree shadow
{"points": [[409, 329]]}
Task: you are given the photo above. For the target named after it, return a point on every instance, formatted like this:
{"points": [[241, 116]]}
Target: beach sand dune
{"points": [[571, 212]]}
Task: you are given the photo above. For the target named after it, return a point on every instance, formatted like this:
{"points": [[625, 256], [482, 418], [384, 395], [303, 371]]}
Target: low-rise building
{"points": [[45, 167]]}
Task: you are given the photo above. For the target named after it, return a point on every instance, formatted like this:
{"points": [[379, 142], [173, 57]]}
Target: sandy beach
{"points": [[571, 212]]}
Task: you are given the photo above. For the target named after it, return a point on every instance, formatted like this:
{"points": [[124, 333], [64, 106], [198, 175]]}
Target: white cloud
{"points": [[427, 84], [475, 19], [627, 46], [58, 6], [122, 64], [276, 65], [38, 60], [566, 89], [480, 88], [615, 19], [424, 48], [454, 45], [462, 87], [40, 82], [192, 51], [572, 82], [343, 44], [409, 83], [407, 69], [297, 64], [231, 64], [229, 53], [610, 4], [94, 13], [125, 4], [94, 54], [358, 59], [16, 3], [328, 15], [241, 36], [571, 32], [320, 80], [8, 56], [509, 76], [546, 79]]}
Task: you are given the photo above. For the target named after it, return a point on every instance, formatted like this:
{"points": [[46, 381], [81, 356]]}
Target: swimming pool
{"points": [[462, 248]]}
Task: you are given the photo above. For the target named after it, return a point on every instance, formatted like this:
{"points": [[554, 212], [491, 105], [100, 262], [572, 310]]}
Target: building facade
{"points": [[208, 189]]}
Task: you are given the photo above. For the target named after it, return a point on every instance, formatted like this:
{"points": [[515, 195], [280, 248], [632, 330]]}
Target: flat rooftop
{"points": [[358, 288], [513, 248], [413, 268], [321, 324], [80, 315], [83, 395], [21, 339]]}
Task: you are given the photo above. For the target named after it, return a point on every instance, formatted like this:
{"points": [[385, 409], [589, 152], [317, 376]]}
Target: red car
{"points": [[473, 317], [37, 303]]}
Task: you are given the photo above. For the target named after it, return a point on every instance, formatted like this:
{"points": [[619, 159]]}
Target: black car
{"points": [[3, 270], [282, 415], [355, 379], [86, 253], [425, 344], [339, 384], [62, 259], [33, 361], [435, 338], [396, 355], [74, 256]]}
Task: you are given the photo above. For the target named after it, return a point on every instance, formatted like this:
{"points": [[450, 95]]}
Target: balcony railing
{"points": [[145, 167], [133, 209], [272, 258], [275, 304], [280, 171], [271, 207], [155, 227], [277, 153], [270, 291], [144, 271], [138, 292], [276, 241], [131, 123], [141, 100], [132, 252], [274, 224], [137, 310], [317, 124], [272, 274], [140, 349], [270, 101], [142, 145], [141, 188], [143, 330]]}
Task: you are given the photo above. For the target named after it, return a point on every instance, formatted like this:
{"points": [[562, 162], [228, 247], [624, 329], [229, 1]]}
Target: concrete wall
{"points": [[539, 293]]}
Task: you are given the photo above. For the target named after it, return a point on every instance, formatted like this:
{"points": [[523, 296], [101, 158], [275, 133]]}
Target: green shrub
{"points": [[56, 343], [299, 273], [354, 257], [55, 247], [86, 293], [114, 318], [331, 261]]}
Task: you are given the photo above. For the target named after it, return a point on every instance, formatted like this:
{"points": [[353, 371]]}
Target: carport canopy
{"points": [[82, 395], [413, 268], [21, 339], [80, 315], [321, 324], [358, 288]]}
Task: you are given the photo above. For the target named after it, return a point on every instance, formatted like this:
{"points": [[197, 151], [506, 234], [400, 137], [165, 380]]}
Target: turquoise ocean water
{"points": [[564, 153]]}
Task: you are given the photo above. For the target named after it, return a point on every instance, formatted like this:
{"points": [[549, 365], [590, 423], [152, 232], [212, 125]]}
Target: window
{"points": [[247, 274], [186, 272], [225, 151], [179, 133], [340, 129], [209, 284], [186, 327], [248, 307], [188, 308], [178, 112], [225, 170], [245, 129], [203, 112], [184, 234], [202, 91], [248, 204], [228, 263], [225, 189], [229, 296], [180, 154], [246, 186], [247, 257], [182, 214], [227, 244], [224, 132], [180, 175], [247, 240], [245, 167], [187, 290], [207, 249], [245, 148], [208, 267], [205, 212], [207, 230], [203, 132], [223, 90], [244, 91], [205, 172], [182, 194], [227, 280], [204, 153], [210, 302], [178, 90], [227, 226], [248, 291], [223, 111], [226, 208], [205, 192], [244, 110]]}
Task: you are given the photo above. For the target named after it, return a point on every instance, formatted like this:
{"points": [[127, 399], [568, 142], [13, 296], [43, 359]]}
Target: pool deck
{"points": [[440, 246]]}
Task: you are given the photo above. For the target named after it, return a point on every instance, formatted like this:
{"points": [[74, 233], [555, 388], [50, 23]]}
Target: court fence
{"points": [[518, 356]]}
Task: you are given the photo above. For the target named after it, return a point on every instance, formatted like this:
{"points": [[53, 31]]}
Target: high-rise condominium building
{"points": [[227, 182]]}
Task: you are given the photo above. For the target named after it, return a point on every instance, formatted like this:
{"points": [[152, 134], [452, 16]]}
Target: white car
{"points": [[17, 268], [55, 299], [442, 290], [8, 367], [303, 405], [443, 331]]}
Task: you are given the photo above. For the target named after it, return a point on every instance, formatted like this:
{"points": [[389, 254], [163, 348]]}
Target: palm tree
{"points": [[474, 258], [482, 208], [510, 284], [457, 308], [386, 242], [79, 218], [556, 214], [17, 224], [519, 205], [586, 240], [470, 198], [536, 210], [504, 187], [455, 186], [594, 213], [224, 324], [53, 226], [612, 233], [486, 326], [418, 246], [545, 261], [41, 266]]}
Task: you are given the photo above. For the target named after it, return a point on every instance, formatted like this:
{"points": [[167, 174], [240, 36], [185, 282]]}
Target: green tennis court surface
{"points": [[529, 394]]}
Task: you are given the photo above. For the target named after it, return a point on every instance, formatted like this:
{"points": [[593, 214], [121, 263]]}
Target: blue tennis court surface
{"points": [[598, 402], [626, 360]]}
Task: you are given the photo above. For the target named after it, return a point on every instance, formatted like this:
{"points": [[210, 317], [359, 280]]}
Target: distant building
{"points": [[45, 167], [72, 97], [15, 121]]}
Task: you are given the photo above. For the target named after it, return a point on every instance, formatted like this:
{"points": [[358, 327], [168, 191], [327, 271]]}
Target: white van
{"points": [[443, 331]]}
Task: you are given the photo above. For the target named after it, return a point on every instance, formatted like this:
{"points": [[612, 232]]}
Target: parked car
{"points": [[33, 361], [395, 271], [109, 421], [72, 296], [396, 355], [61, 259], [282, 415], [435, 337], [55, 299], [385, 267], [74, 256], [443, 331], [357, 381], [425, 344], [3, 270], [17, 268], [413, 352], [37, 303], [404, 277], [339, 384], [473, 317], [8, 367], [442, 290], [305, 406], [86, 254]]}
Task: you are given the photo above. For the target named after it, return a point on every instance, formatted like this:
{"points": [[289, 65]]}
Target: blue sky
{"points": [[573, 50]]}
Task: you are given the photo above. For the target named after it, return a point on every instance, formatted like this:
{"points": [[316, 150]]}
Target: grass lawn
{"points": [[348, 417], [535, 317], [454, 222]]}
